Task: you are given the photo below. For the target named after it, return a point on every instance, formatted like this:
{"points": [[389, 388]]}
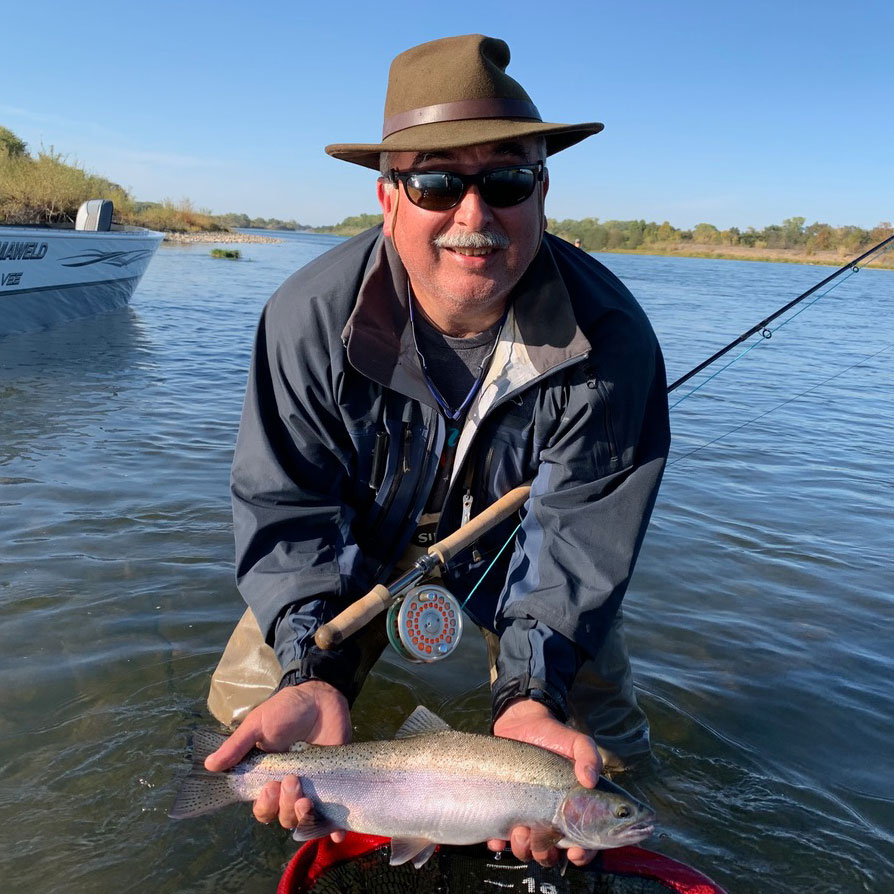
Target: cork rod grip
{"points": [[454, 543], [355, 616]]}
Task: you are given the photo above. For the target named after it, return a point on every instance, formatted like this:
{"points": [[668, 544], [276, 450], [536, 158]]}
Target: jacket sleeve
{"points": [[292, 527], [591, 500]]}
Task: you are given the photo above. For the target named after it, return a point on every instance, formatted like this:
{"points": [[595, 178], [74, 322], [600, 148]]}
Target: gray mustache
{"points": [[474, 239]]}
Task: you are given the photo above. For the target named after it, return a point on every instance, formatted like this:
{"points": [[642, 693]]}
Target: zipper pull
{"points": [[408, 438], [467, 508]]}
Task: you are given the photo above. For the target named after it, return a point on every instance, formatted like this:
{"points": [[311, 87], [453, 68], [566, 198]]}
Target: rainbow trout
{"points": [[430, 785]]}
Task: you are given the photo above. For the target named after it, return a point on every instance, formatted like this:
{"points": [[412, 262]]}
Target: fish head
{"points": [[604, 817]]}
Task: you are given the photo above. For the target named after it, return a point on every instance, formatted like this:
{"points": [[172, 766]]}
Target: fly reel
{"points": [[426, 625]]}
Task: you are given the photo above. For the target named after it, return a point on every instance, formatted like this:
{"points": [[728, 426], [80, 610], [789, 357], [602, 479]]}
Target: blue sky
{"points": [[733, 114]]}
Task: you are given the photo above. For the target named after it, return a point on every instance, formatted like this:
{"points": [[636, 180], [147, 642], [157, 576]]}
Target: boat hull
{"points": [[48, 277]]}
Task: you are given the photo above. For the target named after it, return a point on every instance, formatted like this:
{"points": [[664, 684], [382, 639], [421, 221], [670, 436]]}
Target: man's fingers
{"points": [[266, 806], [497, 844], [233, 750], [288, 795], [520, 841], [580, 856]]}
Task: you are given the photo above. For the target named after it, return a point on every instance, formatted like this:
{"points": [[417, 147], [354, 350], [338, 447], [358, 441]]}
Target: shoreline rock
{"points": [[226, 238]]}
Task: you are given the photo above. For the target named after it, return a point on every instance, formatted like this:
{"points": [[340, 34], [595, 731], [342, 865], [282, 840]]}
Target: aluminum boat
{"points": [[50, 275]]}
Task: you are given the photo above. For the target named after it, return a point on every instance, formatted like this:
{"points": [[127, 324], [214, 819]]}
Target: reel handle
{"points": [[380, 597], [498, 511]]}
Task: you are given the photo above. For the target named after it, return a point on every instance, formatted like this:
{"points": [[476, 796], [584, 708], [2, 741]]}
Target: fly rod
{"points": [[851, 265], [380, 597]]}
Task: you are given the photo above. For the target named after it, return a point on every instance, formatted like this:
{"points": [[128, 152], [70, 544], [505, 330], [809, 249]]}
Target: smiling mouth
{"points": [[473, 252]]}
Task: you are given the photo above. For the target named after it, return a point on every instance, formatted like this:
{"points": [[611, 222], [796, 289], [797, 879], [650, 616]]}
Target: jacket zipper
{"points": [[379, 461], [398, 474]]}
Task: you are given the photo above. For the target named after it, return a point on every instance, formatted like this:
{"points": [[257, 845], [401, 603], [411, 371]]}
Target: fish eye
{"points": [[622, 811]]}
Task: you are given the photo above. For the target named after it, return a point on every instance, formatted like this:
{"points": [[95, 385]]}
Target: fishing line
{"points": [[766, 334], [779, 406], [493, 562]]}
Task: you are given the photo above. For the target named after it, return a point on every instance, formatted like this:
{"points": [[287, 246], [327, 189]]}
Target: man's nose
{"points": [[473, 211]]}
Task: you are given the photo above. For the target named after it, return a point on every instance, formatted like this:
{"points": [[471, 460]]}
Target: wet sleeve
{"points": [[535, 662]]}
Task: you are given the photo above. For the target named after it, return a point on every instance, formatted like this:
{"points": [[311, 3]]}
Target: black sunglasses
{"points": [[442, 190]]}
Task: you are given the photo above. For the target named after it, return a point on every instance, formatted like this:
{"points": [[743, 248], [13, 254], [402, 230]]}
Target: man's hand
{"points": [[312, 712], [530, 721]]}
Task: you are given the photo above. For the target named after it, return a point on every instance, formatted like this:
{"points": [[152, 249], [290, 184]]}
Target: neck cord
{"points": [[451, 414]]}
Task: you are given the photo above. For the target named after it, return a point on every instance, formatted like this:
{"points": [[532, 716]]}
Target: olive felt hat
{"points": [[455, 92]]}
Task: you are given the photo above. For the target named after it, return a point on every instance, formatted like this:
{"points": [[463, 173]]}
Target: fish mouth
{"points": [[636, 831]]}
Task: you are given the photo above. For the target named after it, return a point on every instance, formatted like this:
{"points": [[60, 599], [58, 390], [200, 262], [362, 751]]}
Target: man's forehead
{"points": [[521, 149]]}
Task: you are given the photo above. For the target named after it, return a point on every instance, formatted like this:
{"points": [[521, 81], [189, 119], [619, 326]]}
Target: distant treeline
{"points": [[792, 234], [233, 220], [350, 226], [46, 189]]}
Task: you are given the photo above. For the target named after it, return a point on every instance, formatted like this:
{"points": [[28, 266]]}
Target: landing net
{"points": [[360, 866]]}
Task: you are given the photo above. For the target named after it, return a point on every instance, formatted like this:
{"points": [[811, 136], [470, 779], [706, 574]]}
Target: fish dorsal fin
{"points": [[416, 849], [420, 722]]}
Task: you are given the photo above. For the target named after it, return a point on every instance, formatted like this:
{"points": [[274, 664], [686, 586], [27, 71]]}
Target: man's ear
{"points": [[387, 196]]}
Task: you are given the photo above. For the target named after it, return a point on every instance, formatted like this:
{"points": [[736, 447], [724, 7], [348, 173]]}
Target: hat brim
{"points": [[459, 134]]}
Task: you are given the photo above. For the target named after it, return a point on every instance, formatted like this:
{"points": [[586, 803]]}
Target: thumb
{"points": [[233, 750], [587, 760]]}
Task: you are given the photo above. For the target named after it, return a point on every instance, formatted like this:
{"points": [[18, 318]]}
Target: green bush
{"points": [[48, 189]]}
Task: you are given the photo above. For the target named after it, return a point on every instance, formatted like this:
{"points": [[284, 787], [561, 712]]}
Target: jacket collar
{"points": [[379, 338]]}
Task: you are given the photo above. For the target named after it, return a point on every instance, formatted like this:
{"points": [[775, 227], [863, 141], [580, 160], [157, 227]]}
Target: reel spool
{"points": [[426, 625]]}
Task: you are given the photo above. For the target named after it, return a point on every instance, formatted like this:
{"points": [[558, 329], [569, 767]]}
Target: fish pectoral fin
{"points": [[416, 849], [544, 837], [313, 826], [422, 722]]}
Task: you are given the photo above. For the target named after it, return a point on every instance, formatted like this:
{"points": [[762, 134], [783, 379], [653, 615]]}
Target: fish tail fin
{"points": [[202, 791]]}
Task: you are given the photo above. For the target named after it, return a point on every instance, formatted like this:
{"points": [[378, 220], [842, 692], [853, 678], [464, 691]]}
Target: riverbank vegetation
{"points": [[46, 188]]}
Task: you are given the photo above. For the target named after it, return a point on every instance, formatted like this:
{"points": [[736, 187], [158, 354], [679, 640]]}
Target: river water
{"points": [[759, 617]]}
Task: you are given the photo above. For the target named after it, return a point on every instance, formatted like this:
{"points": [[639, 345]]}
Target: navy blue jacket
{"points": [[574, 402]]}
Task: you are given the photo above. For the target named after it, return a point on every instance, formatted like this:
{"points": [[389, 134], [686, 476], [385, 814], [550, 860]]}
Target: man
{"points": [[408, 378]]}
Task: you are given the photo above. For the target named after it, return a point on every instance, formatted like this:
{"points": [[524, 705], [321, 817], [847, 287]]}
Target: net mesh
{"points": [[360, 866]]}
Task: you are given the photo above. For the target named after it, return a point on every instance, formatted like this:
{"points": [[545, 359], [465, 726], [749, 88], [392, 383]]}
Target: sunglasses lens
{"points": [[508, 187], [443, 190], [434, 191]]}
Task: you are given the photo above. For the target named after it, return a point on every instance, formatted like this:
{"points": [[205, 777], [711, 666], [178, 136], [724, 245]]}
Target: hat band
{"points": [[460, 111]]}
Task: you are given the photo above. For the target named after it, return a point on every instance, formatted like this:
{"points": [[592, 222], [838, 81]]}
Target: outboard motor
{"points": [[95, 215]]}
